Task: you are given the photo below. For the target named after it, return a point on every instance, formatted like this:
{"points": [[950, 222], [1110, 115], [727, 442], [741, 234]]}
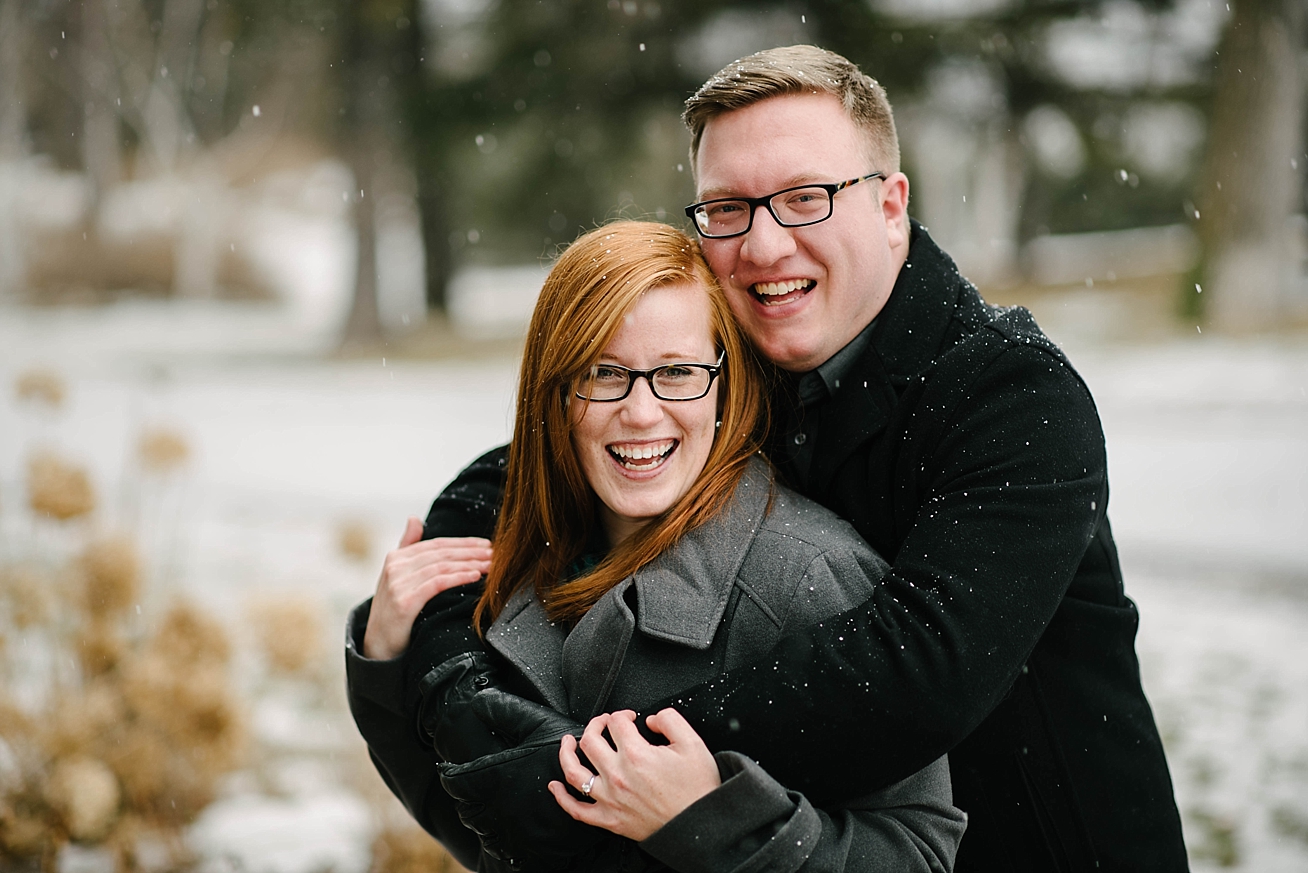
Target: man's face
{"points": [[802, 293]]}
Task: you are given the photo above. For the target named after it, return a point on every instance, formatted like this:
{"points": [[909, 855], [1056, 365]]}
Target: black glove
{"points": [[503, 797], [445, 715]]}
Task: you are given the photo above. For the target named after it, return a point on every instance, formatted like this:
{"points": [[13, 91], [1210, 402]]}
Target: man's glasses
{"points": [[605, 383], [792, 207]]}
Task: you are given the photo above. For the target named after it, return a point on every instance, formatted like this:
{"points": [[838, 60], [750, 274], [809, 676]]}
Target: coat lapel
{"points": [[682, 595], [679, 598], [527, 638], [899, 350], [593, 654]]}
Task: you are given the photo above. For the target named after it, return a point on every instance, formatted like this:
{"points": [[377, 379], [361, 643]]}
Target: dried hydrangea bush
{"points": [[132, 724], [115, 727], [132, 743]]}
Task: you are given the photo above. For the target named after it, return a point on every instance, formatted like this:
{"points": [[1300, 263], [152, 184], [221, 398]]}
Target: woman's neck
{"points": [[617, 529]]}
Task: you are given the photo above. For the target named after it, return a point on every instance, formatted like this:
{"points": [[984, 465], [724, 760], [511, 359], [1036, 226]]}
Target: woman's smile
{"points": [[642, 457]]}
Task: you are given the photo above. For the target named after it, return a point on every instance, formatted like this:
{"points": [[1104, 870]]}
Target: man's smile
{"points": [[777, 293]]}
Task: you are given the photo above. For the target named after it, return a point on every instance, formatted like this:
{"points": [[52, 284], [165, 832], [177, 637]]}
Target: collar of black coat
{"points": [[680, 597], [912, 326], [909, 333]]}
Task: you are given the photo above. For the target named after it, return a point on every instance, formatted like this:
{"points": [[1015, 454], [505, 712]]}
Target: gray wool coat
{"points": [[772, 562]]}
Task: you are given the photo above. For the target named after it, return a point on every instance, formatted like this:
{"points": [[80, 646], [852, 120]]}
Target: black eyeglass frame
{"points": [[755, 202], [714, 370]]}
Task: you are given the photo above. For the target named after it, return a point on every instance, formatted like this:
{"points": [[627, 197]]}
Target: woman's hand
{"points": [[413, 574], [636, 787]]}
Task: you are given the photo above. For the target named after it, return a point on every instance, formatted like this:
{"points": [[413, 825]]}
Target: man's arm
{"points": [[1010, 481], [381, 692], [751, 822], [469, 506], [407, 766]]}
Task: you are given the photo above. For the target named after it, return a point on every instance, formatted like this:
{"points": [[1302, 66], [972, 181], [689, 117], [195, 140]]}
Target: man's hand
{"points": [[504, 798], [447, 717], [413, 574], [635, 788]]}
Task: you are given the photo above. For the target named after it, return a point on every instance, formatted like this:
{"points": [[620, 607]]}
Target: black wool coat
{"points": [[967, 451]]}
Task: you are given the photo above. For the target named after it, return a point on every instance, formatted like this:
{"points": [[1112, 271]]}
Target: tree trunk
{"points": [[368, 132], [364, 324], [101, 144], [13, 131], [425, 154], [1250, 186], [435, 235]]}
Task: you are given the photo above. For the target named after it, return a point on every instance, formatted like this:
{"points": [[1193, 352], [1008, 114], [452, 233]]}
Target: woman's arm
{"points": [[698, 812]]}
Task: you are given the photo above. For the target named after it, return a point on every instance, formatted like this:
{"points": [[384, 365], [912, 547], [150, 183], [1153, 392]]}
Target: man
{"points": [[959, 442]]}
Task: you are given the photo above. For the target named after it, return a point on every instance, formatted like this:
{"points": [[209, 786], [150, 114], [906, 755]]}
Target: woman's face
{"points": [[641, 454]]}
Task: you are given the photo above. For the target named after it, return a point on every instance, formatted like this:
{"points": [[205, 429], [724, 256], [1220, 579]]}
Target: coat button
{"points": [[800, 439]]}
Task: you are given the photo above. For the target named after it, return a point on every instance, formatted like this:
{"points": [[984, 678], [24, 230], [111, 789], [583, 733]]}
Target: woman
{"points": [[643, 547]]}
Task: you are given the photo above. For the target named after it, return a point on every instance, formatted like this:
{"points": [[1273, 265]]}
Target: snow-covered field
{"points": [[1208, 447]]}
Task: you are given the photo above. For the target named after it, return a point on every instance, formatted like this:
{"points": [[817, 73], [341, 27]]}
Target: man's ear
{"points": [[894, 208]]}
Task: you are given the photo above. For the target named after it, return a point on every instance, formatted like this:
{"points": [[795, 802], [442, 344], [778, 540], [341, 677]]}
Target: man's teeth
{"points": [[629, 454], [777, 289]]}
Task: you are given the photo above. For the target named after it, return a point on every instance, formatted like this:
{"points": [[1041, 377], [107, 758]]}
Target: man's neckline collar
{"points": [[904, 339], [815, 385]]}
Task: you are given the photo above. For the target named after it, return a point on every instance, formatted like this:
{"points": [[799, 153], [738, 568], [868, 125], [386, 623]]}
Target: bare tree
{"points": [[371, 140], [1250, 185], [13, 36], [13, 130], [102, 152]]}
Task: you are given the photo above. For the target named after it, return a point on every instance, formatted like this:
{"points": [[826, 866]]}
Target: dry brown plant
{"points": [[87, 721], [409, 849], [24, 827], [26, 822], [38, 386], [111, 570], [30, 594], [100, 648], [162, 450], [15, 725], [354, 539], [188, 637], [57, 488], [290, 632], [130, 746], [84, 792], [135, 750]]}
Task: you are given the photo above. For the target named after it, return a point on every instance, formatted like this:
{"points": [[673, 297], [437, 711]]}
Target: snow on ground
{"points": [[1208, 449], [1227, 674], [1208, 463]]}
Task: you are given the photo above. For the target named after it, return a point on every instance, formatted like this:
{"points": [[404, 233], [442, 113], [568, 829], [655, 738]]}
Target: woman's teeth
{"points": [[642, 457]]}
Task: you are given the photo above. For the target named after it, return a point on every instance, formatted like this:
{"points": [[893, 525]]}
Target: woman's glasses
{"points": [[606, 383]]}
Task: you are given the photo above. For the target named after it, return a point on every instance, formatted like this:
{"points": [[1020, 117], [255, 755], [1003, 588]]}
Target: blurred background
{"points": [[265, 267]]}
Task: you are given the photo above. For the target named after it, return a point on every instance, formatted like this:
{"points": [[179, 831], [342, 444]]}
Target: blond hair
{"points": [[798, 69], [548, 517]]}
